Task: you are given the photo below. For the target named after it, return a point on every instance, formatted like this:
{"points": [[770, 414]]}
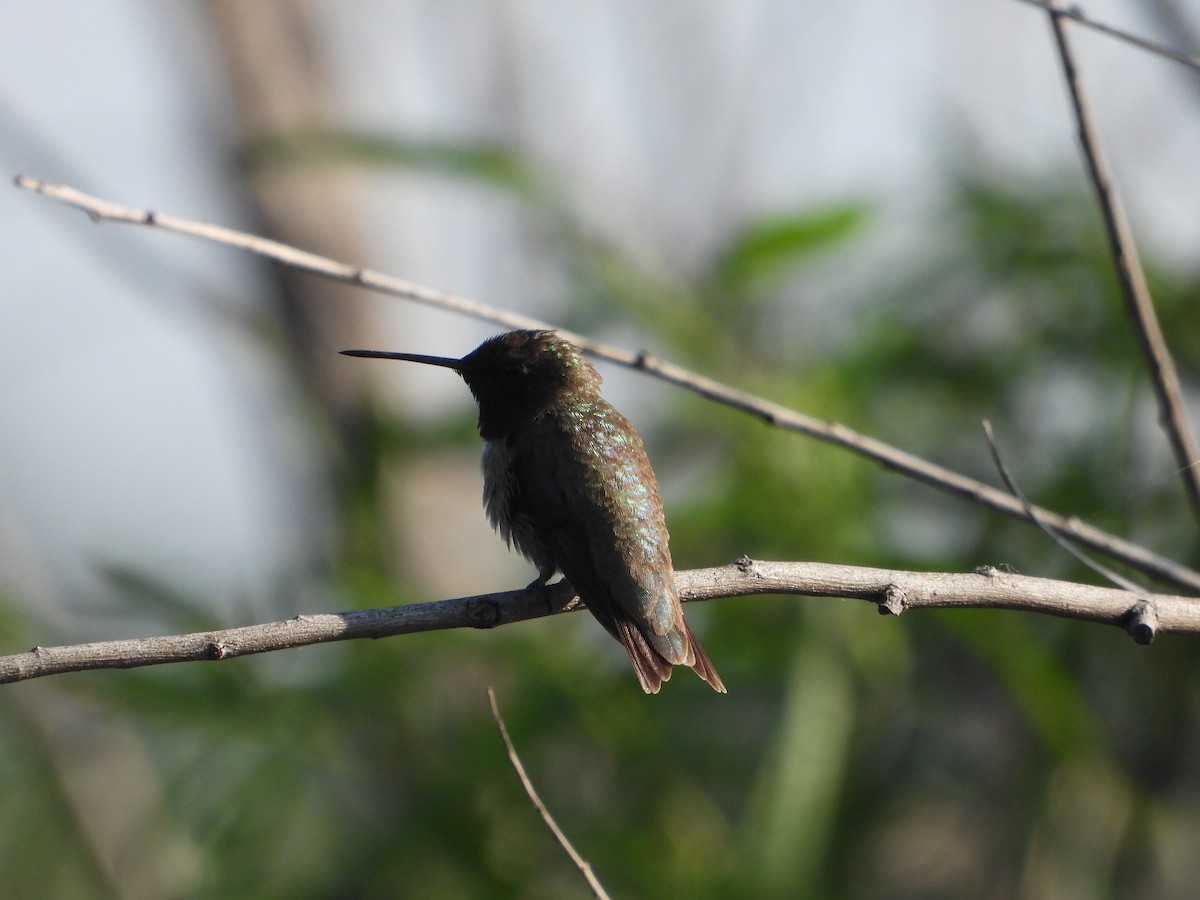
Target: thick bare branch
{"points": [[1144, 615], [935, 476], [1139, 306]]}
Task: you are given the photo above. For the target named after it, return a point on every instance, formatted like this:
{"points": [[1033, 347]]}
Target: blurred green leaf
{"points": [[485, 163], [769, 247]]}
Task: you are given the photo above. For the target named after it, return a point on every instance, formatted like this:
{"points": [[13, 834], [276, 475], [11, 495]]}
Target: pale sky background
{"points": [[140, 428]]}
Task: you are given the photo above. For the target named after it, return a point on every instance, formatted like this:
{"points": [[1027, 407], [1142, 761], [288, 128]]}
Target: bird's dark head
{"points": [[514, 376], [519, 375]]}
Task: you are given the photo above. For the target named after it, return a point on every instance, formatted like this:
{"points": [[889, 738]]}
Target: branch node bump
{"points": [[484, 612], [151, 217], [1143, 623], [216, 650], [642, 360], [39, 651], [987, 571], [893, 601], [747, 566]]}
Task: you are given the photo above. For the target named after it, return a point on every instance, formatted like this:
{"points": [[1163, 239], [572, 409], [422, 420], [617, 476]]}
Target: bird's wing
{"points": [[586, 519]]}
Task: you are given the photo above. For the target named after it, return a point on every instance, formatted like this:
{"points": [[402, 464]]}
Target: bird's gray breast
{"points": [[498, 486], [504, 507]]}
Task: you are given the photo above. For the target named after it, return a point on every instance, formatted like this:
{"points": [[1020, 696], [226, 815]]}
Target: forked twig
{"points": [[1134, 290], [580, 863], [1076, 14]]}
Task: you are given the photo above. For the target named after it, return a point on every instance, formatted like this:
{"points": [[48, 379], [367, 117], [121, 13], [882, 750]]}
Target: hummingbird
{"points": [[566, 481]]}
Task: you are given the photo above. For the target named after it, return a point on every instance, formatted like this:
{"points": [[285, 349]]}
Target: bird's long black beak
{"points": [[445, 362]]}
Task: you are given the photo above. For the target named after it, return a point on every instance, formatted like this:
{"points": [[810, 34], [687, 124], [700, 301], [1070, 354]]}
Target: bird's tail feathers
{"points": [[703, 666], [653, 669]]}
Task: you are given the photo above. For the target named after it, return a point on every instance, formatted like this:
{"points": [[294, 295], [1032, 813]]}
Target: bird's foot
{"points": [[548, 592]]}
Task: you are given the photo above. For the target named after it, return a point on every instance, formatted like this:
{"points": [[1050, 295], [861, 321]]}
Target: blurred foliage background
{"points": [[942, 754]]}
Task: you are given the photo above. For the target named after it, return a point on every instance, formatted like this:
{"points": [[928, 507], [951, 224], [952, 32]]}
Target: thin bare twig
{"points": [[1103, 571], [891, 590], [1075, 13], [1134, 289], [581, 864], [935, 476], [1183, 27]]}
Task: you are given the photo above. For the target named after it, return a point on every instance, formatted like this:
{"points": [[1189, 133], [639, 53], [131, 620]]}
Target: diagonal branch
{"points": [[1134, 289], [884, 454], [1143, 615]]}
